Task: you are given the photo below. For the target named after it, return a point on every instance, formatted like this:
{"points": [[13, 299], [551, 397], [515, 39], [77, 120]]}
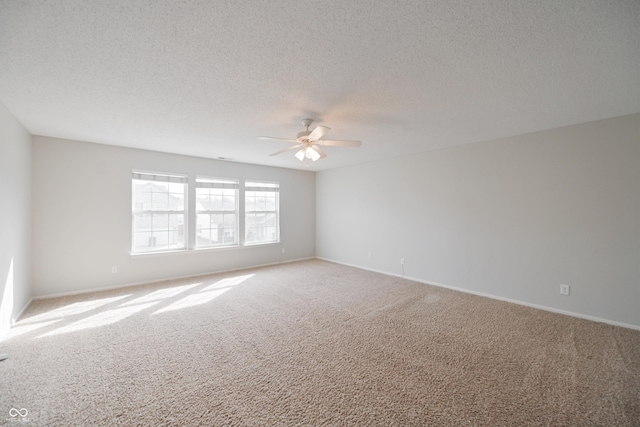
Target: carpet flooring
{"points": [[312, 343]]}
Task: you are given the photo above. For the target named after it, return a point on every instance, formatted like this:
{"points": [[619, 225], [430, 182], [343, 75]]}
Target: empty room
{"points": [[320, 213]]}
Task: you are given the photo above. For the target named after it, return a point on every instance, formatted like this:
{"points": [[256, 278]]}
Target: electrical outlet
{"points": [[369, 255], [401, 261], [114, 269], [283, 251], [564, 289]]}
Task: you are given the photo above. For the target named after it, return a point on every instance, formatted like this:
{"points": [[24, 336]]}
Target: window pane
{"points": [[176, 188], [216, 204], [160, 201], [160, 222], [202, 221], [228, 203], [176, 202], [229, 236], [178, 235], [176, 221], [250, 235], [250, 221], [229, 221], [250, 202], [202, 202], [159, 187], [159, 239], [270, 233], [217, 220], [270, 220], [142, 222], [203, 230], [270, 203], [142, 241], [261, 203]]}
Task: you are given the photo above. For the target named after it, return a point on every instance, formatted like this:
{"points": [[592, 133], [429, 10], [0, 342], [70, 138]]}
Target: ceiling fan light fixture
{"points": [[312, 154], [300, 154]]}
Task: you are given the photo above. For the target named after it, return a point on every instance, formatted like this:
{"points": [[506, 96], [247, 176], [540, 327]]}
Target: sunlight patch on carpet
{"points": [[72, 309], [104, 318], [208, 294], [161, 294], [29, 327]]}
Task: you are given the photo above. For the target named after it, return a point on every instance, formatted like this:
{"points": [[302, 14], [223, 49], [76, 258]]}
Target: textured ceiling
{"points": [[205, 78]]}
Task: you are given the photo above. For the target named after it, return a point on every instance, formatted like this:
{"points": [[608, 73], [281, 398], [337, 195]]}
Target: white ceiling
{"points": [[205, 78]]}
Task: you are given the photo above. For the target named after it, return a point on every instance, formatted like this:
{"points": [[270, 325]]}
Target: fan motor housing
{"points": [[303, 134]]}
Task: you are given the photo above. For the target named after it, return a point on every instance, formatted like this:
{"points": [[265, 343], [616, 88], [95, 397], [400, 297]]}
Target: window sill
{"points": [[215, 248], [207, 249], [261, 244], [146, 254]]}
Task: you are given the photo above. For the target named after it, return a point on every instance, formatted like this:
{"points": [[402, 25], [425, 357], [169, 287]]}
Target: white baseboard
{"points": [[495, 297], [146, 282]]}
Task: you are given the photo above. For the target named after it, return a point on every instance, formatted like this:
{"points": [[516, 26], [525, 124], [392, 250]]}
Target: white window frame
{"points": [[255, 186], [205, 182], [139, 208]]}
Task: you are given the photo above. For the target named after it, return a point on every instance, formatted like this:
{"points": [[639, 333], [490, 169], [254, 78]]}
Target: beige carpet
{"points": [[312, 343]]}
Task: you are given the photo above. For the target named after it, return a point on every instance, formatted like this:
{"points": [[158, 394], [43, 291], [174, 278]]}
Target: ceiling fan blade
{"points": [[277, 139], [293, 147], [320, 151], [338, 143], [318, 133]]}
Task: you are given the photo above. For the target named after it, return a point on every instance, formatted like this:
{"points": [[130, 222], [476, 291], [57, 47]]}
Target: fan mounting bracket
{"points": [[307, 122]]}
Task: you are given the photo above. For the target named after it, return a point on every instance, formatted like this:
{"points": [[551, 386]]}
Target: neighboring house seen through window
{"points": [[159, 211], [216, 212], [261, 212]]}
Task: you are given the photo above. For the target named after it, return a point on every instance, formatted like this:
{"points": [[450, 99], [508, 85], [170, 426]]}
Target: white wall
{"points": [[15, 209], [82, 217], [513, 218]]}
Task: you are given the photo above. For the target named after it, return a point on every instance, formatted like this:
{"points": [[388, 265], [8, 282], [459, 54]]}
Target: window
{"points": [[216, 212], [159, 211], [261, 212]]}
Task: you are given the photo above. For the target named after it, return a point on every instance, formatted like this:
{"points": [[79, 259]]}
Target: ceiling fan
{"points": [[309, 142]]}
